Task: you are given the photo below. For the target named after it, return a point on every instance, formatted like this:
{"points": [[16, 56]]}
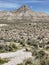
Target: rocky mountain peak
{"points": [[23, 8], [25, 13]]}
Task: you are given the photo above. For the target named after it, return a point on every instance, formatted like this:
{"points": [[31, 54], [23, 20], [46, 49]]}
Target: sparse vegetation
{"points": [[2, 61], [41, 58], [8, 48], [34, 53], [29, 62], [30, 30]]}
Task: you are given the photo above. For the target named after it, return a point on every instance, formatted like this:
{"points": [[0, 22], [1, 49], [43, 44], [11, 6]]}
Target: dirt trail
{"points": [[16, 57]]}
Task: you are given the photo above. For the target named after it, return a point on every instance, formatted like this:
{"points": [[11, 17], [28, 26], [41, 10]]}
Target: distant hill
{"points": [[24, 13]]}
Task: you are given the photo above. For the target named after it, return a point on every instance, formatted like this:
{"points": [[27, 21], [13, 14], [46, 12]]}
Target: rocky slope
{"points": [[24, 24]]}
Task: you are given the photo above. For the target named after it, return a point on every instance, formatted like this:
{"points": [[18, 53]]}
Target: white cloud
{"points": [[33, 1], [17, 3], [8, 5]]}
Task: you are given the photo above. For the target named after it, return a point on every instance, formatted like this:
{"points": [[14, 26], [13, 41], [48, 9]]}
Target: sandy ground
{"points": [[16, 57]]}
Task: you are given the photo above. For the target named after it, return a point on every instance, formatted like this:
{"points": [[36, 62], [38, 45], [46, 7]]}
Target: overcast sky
{"points": [[35, 5]]}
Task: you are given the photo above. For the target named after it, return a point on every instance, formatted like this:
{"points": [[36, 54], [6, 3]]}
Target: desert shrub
{"points": [[47, 43], [1, 51], [40, 54], [15, 40], [2, 61], [40, 45], [29, 23], [44, 60], [10, 48], [47, 47], [7, 48], [28, 62], [21, 42], [20, 64], [1, 46], [34, 53], [14, 46], [35, 46], [28, 41], [27, 49]]}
